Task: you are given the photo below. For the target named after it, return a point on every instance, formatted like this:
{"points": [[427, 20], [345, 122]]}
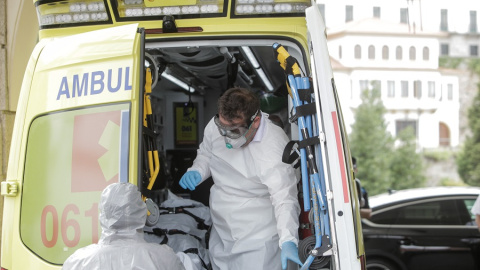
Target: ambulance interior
{"points": [[187, 81], [194, 77]]}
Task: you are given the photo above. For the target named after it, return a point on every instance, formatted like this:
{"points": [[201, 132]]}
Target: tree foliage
{"points": [[468, 160], [381, 165], [371, 143], [406, 165]]}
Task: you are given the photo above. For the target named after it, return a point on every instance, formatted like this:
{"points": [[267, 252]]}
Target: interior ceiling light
{"points": [[253, 60], [178, 82]]}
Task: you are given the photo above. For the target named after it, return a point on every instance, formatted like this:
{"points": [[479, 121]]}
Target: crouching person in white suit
{"points": [[121, 245]]}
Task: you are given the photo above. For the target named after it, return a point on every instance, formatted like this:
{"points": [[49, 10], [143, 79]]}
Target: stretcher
{"points": [[313, 181]]}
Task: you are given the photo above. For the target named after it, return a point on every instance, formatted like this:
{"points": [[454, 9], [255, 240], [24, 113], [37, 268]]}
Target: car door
{"points": [[432, 234], [73, 137], [472, 240]]}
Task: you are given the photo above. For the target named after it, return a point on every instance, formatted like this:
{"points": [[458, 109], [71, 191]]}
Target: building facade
{"points": [[395, 46]]}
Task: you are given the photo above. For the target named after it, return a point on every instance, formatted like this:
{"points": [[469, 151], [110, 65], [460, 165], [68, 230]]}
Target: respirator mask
{"points": [[235, 137]]}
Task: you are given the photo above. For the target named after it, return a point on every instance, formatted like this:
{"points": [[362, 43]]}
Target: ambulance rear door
{"points": [[76, 132], [345, 224]]}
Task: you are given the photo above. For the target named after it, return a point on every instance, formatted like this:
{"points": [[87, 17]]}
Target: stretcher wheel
{"points": [[304, 248], [311, 216]]}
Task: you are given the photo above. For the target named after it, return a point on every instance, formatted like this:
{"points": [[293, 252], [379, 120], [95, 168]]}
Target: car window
{"points": [[469, 204], [441, 212]]}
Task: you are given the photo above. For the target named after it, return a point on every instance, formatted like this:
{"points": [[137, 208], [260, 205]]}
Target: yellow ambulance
{"points": [[121, 90]]}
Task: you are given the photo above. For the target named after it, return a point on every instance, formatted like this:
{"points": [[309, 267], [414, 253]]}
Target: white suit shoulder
{"points": [[143, 256], [273, 142], [121, 245]]}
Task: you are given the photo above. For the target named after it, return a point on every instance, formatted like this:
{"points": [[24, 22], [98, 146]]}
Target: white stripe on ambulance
{"points": [[80, 83]]}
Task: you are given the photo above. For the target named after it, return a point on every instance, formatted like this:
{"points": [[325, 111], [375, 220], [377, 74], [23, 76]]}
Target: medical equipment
{"points": [[312, 180]]}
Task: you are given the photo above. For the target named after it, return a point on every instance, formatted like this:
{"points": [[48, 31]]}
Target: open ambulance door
{"points": [[334, 158], [76, 131]]}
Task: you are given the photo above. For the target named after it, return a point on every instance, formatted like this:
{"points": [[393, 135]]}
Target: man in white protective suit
{"points": [[121, 245], [253, 201]]}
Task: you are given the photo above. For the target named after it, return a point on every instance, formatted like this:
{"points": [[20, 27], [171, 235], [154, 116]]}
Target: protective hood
{"points": [[122, 212], [121, 246]]}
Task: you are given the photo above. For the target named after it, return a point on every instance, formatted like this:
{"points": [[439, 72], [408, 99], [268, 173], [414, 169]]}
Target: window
{"points": [[417, 89], [431, 89], [348, 13], [468, 205], [371, 52], [376, 12], [358, 52], [403, 15], [473, 21], [440, 212], [400, 125], [473, 50], [77, 168], [404, 88], [412, 53], [339, 52], [426, 53], [376, 84], [398, 53], [385, 52], [387, 217], [363, 85], [390, 89], [444, 49], [450, 91], [369, 85], [443, 20]]}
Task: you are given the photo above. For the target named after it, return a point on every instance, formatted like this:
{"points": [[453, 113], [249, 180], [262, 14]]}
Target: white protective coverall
{"points": [[253, 201], [121, 245], [188, 236]]}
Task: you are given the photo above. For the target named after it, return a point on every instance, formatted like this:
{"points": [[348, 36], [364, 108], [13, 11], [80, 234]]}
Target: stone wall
{"points": [[7, 117], [3, 101], [441, 172]]}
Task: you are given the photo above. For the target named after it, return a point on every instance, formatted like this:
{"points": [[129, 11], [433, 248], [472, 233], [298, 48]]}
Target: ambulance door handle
{"points": [[9, 188]]}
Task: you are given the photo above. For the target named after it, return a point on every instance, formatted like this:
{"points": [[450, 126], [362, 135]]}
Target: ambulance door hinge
{"points": [[329, 194], [9, 188], [322, 137]]}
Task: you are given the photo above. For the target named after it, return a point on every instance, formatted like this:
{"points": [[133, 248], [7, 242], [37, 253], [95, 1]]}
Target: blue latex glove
{"points": [[289, 252], [190, 180]]}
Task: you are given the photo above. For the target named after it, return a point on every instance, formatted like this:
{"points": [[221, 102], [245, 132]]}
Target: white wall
{"points": [[425, 13], [428, 111], [348, 43]]}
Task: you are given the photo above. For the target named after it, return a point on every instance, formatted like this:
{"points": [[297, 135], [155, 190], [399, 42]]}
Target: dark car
{"points": [[424, 228]]}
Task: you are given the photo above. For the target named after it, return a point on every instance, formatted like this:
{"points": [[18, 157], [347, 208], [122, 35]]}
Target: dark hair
{"points": [[238, 103], [354, 161]]}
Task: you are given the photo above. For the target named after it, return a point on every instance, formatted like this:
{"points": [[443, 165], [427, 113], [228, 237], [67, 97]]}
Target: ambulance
{"points": [[121, 90]]}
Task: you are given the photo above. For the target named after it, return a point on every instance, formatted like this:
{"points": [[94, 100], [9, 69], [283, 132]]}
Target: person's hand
{"points": [[289, 252], [190, 180]]}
